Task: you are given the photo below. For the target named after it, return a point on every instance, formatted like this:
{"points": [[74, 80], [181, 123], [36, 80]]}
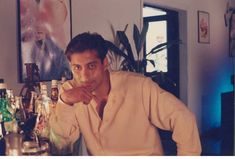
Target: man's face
{"points": [[88, 70]]}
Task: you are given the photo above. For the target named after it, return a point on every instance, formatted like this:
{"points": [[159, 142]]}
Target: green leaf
{"points": [[139, 38], [125, 42], [143, 37], [115, 49], [115, 37], [125, 28], [113, 33], [159, 46], [128, 66], [163, 46], [158, 50], [151, 61], [136, 37]]}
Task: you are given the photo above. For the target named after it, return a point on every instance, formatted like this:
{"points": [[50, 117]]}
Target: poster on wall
{"points": [[203, 27], [44, 32]]}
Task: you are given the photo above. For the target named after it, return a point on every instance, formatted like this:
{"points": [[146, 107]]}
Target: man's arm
{"points": [[166, 112], [64, 127]]}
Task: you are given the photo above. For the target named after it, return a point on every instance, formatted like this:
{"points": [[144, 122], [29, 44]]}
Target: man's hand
{"points": [[75, 95]]}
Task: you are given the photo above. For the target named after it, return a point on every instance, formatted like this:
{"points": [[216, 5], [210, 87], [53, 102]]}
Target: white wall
{"points": [[96, 16], [196, 52], [8, 44]]}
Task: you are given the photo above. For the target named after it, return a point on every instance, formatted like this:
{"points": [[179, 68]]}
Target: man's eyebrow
{"points": [[92, 62], [75, 65]]}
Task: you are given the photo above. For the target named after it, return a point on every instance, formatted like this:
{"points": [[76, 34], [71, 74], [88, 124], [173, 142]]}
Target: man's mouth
{"points": [[88, 85]]}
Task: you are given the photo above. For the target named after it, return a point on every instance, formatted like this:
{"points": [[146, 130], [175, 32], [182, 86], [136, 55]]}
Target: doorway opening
{"points": [[163, 27]]}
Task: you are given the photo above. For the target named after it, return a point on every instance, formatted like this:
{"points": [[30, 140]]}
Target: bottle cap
{"points": [[43, 85], [54, 82], [3, 86]]}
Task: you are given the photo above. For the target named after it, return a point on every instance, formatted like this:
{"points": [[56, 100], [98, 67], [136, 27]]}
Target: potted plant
{"points": [[125, 58]]}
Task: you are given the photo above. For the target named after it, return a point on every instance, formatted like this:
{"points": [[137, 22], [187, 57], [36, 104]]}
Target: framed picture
{"points": [[44, 31], [203, 27]]}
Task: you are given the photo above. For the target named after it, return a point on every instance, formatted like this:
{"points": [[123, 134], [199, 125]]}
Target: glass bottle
{"points": [[45, 99], [4, 104], [20, 114], [54, 92], [14, 141], [43, 110], [33, 98], [11, 101], [2, 139]]}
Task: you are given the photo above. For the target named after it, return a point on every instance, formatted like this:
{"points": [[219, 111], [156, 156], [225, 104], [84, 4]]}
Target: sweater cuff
{"points": [[64, 109], [63, 102]]}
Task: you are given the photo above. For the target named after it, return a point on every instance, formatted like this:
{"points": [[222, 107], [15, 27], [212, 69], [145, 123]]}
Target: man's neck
{"points": [[105, 87]]}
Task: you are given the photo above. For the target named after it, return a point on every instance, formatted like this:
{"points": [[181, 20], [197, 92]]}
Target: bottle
{"points": [[45, 98], [33, 98], [2, 88], [54, 92], [11, 101], [2, 139], [20, 114], [4, 104], [14, 141], [43, 110]]}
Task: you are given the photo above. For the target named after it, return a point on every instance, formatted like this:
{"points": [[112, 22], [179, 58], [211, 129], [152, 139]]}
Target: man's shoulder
{"points": [[127, 75], [125, 78]]}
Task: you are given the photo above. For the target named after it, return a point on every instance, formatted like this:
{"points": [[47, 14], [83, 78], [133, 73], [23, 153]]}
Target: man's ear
{"points": [[106, 63]]}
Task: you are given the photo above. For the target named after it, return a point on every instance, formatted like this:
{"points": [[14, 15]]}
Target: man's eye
{"points": [[75, 68], [91, 66]]}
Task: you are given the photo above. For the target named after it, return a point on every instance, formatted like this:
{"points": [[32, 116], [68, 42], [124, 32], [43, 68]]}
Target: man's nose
{"points": [[84, 75]]}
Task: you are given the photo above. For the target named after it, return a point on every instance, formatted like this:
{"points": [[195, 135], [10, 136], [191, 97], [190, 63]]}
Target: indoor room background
{"points": [[205, 68]]}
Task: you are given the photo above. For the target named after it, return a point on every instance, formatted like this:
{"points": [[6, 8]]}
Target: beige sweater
{"points": [[135, 107]]}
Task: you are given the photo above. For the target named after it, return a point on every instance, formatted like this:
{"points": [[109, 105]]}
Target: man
{"points": [[117, 112]]}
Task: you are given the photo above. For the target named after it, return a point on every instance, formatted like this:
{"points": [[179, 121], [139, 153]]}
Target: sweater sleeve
{"points": [[167, 112], [64, 126]]}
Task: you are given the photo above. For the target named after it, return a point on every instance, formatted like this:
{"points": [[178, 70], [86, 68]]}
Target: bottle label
{"points": [[54, 94]]}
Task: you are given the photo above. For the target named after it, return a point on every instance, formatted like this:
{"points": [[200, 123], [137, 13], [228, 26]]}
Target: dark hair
{"points": [[87, 41]]}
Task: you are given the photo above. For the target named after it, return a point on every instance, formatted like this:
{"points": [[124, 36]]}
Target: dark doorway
{"points": [[163, 27]]}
